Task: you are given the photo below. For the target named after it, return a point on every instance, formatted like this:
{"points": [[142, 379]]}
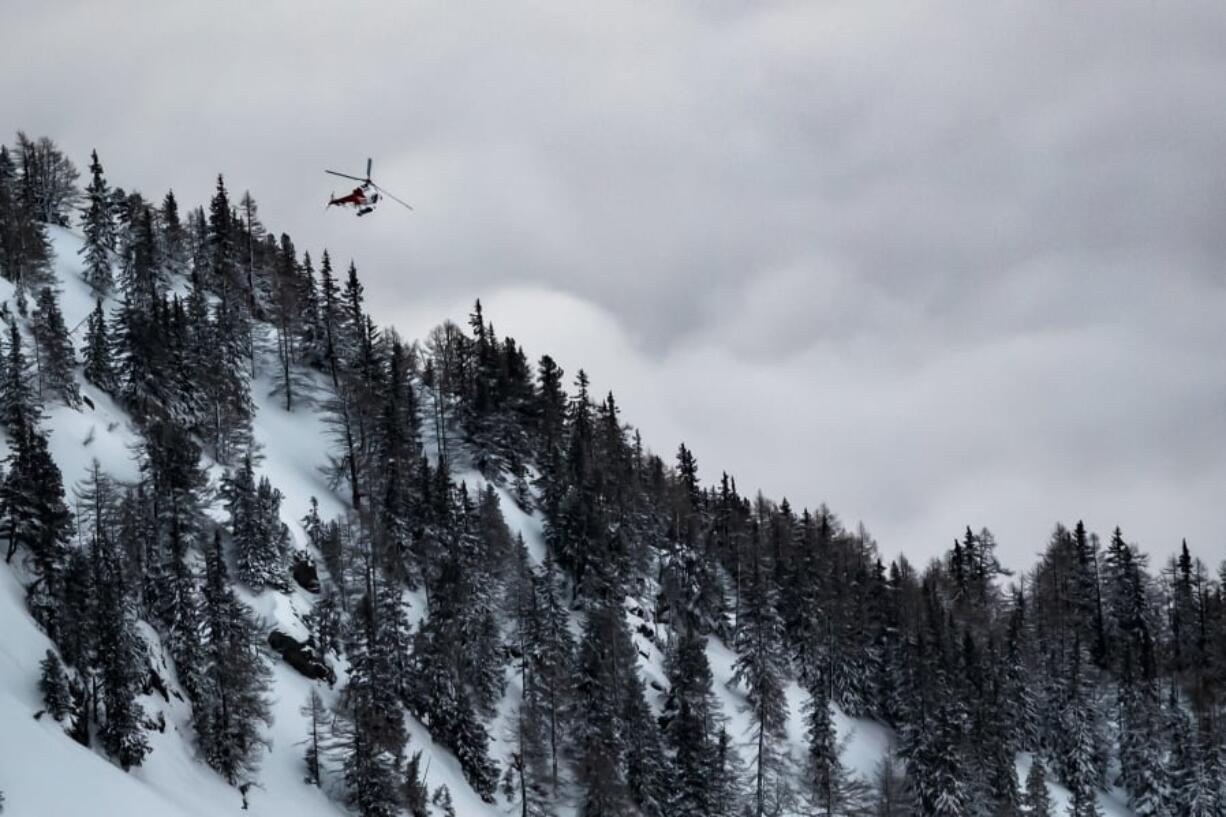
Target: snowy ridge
{"points": [[44, 773]]}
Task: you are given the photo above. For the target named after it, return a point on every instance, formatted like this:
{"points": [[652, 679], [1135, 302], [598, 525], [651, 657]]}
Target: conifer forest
{"points": [[496, 599]]}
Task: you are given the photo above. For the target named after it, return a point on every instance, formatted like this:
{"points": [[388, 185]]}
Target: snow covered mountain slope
{"points": [[44, 773]]}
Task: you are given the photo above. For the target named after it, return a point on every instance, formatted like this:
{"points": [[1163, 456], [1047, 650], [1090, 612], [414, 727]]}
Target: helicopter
{"points": [[366, 196]]}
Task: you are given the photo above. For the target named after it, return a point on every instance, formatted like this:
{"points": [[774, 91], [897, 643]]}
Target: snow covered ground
{"points": [[43, 773]]}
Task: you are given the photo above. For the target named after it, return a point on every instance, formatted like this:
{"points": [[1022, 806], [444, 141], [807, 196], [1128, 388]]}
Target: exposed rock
{"points": [[305, 574], [301, 656]]}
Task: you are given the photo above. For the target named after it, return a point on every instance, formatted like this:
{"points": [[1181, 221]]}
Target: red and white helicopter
{"points": [[366, 196]]}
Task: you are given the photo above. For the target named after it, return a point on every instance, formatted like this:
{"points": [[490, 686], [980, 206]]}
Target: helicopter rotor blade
{"points": [[369, 162], [401, 202], [346, 176]]}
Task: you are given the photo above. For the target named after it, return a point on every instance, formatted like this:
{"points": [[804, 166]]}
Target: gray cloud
{"points": [[958, 263]]}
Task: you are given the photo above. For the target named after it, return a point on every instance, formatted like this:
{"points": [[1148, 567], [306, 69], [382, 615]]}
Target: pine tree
{"points": [[368, 763], [183, 612], [935, 715], [826, 787], [97, 505], [441, 697], [606, 656], [310, 324], [25, 250], [142, 275], [1017, 687], [397, 451], [78, 635], [317, 722], [252, 232], [377, 652], [164, 512], [260, 537], [236, 680], [324, 622], [1191, 791], [1141, 756], [728, 777], [894, 794], [526, 779], [288, 317], [49, 180], [127, 208], [32, 502], [692, 724], [197, 229], [555, 657], [97, 353], [353, 315], [98, 224], [442, 802], [1215, 776], [760, 666], [138, 345], [120, 659], [56, 358], [416, 796], [1036, 801], [222, 253], [53, 684], [32, 509], [175, 246], [8, 212], [486, 550], [19, 409], [648, 772], [330, 319], [1081, 751], [227, 386]]}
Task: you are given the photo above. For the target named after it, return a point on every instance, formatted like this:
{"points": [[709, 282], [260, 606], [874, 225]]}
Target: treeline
{"points": [[1107, 671]]}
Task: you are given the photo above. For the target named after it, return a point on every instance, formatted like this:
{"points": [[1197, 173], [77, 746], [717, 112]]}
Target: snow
{"points": [[103, 432], [43, 773], [77, 299], [36, 757], [295, 449]]}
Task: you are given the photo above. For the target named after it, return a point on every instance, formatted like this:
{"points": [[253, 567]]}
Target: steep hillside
{"points": [[502, 601], [38, 758]]}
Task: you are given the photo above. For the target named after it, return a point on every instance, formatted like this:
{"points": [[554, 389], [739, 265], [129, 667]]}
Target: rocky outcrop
{"points": [[301, 656], [305, 574]]}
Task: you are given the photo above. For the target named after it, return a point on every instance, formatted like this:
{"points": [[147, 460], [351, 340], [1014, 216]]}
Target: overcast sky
{"points": [[935, 264]]}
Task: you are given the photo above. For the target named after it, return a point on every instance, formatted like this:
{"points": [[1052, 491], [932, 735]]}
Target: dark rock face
{"points": [[306, 575], [301, 656]]}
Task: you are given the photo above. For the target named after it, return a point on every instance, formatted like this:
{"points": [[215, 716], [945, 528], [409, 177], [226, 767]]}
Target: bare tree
{"points": [[49, 180]]}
